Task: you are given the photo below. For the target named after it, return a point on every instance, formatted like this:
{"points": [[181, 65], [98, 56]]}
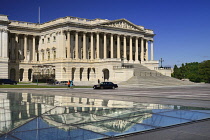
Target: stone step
{"points": [[143, 76]]}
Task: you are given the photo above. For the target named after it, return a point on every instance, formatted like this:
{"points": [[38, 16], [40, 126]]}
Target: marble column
{"points": [[33, 49], [124, 50], [118, 46], [4, 43], [105, 47], [137, 51], [61, 45], [152, 51], [25, 46], [146, 56], [68, 44], [111, 48], [142, 49], [76, 45], [84, 46], [91, 46], [97, 45], [131, 50], [16, 47]]}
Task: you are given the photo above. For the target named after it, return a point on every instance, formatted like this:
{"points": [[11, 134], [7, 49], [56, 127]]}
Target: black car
{"points": [[7, 81], [105, 85]]}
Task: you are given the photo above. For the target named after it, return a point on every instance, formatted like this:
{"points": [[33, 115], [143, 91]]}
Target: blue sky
{"points": [[182, 27]]}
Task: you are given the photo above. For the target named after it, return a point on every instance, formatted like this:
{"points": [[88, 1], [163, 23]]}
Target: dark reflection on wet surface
{"points": [[39, 117]]}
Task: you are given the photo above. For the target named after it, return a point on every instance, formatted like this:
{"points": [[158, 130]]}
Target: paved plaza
{"points": [[195, 96]]}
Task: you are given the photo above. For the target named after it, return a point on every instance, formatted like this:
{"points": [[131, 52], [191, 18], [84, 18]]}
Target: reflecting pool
{"points": [[40, 117]]}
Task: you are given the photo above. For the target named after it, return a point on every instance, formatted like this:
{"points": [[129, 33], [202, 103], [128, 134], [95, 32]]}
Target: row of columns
{"points": [[144, 53], [15, 45]]}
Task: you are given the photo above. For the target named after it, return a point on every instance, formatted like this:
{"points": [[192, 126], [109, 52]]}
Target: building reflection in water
{"points": [[25, 111]]}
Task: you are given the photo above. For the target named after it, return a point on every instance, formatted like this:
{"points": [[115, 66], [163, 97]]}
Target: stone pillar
{"points": [[124, 50], [33, 49], [111, 46], [4, 42], [118, 46], [91, 46], [68, 44], [77, 74], [105, 47], [137, 51], [131, 50], [97, 45], [25, 47], [76, 45], [84, 46], [61, 46], [146, 56], [142, 49], [152, 51], [16, 47], [25, 75], [84, 75]]}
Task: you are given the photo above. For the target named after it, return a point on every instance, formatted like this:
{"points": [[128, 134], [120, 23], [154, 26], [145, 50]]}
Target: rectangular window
{"points": [[48, 40], [42, 41], [54, 38]]}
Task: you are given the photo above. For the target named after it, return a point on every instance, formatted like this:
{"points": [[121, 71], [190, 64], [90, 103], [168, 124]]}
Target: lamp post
{"points": [[161, 61]]}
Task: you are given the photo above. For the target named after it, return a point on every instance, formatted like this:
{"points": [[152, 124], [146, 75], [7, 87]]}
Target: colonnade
{"points": [[23, 47], [83, 45], [101, 46]]}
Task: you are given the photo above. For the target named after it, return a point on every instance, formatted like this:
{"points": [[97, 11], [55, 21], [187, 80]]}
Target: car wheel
{"points": [[94, 87], [113, 87], [102, 87]]}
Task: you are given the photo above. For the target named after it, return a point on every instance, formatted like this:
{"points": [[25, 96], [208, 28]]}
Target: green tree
{"points": [[204, 71]]}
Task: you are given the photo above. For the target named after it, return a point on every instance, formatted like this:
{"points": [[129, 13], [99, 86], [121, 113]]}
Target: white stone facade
{"points": [[73, 48]]}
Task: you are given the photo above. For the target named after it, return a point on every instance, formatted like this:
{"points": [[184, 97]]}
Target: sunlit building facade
{"points": [[72, 48]]}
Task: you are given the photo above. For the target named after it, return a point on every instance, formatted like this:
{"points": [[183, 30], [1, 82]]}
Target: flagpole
{"points": [[39, 15]]}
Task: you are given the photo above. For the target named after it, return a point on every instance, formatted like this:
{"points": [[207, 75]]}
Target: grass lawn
{"points": [[41, 86]]}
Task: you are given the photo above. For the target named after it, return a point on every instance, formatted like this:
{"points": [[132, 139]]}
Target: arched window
{"points": [[42, 55], [54, 54], [48, 55]]}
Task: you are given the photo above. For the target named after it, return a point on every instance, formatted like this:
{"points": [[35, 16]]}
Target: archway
{"points": [[88, 73], [12, 74], [21, 74], [81, 71], [29, 74], [105, 74], [72, 73]]}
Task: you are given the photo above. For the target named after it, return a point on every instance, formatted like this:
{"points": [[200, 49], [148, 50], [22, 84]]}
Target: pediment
{"points": [[124, 24]]}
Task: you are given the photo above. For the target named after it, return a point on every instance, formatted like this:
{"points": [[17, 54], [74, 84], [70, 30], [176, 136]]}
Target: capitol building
{"points": [[71, 48]]}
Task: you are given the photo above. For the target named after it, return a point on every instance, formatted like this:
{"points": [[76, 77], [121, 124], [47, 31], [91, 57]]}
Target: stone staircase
{"points": [[144, 77]]}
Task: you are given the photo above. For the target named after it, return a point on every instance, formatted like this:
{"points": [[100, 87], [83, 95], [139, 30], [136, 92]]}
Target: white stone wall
{"points": [[3, 46]]}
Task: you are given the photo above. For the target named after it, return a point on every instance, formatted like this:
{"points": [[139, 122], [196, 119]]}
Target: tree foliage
{"points": [[195, 72]]}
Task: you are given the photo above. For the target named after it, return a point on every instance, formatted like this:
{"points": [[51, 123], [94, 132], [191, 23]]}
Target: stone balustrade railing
{"points": [[162, 68], [123, 67]]}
